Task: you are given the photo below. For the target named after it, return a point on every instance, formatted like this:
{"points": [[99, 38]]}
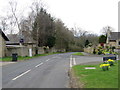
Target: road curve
{"points": [[42, 72]]}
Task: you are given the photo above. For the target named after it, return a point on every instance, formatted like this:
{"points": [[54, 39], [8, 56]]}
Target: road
{"points": [[42, 72]]}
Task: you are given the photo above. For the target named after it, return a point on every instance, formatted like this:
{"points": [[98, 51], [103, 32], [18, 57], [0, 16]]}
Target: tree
{"points": [[64, 37], [25, 27], [93, 38], [87, 43], [80, 36], [3, 23], [50, 41], [16, 21], [102, 39], [107, 29], [43, 27]]}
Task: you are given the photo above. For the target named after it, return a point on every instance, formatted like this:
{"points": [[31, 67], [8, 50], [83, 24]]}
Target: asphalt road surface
{"points": [[42, 72]]}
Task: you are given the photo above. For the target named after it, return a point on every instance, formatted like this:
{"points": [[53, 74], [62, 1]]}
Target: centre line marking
{"points": [[47, 60], [21, 75], [54, 57], [38, 65]]}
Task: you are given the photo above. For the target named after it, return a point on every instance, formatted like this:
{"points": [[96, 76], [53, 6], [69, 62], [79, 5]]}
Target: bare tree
{"points": [[80, 35], [3, 23], [13, 8], [107, 29]]}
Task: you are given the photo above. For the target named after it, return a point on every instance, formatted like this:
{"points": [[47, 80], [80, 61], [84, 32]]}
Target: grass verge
{"points": [[79, 54], [27, 57], [97, 78]]}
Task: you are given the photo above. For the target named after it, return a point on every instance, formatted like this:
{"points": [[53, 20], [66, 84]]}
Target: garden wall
{"points": [[24, 50], [41, 50], [21, 51], [89, 50]]}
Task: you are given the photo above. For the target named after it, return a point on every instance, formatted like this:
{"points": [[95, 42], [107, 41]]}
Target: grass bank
{"points": [[79, 54], [26, 57], [96, 78]]}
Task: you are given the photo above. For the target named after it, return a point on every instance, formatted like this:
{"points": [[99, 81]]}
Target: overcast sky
{"points": [[90, 15]]}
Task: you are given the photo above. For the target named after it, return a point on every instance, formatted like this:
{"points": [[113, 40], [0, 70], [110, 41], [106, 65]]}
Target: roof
{"points": [[15, 38], [114, 35], [3, 35], [14, 46], [12, 43], [17, 43]]}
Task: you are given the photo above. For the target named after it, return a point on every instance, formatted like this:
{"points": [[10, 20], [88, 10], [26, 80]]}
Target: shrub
{"points": [[111, 62], [105, 67], [74, 48], [94, 52], [99, 52]]}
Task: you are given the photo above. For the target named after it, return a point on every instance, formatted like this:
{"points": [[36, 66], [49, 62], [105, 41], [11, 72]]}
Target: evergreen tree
{"points": [[87, 43], [102, 39]]}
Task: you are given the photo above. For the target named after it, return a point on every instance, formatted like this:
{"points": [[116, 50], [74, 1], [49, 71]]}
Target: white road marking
{"points": [[38, 65], [70, 62], [74, 62], [55, 57], [21, 75], [47, 60]]}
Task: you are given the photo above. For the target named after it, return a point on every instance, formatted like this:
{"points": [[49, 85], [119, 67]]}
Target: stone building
{"points": [[3, 39], [113, 39]]}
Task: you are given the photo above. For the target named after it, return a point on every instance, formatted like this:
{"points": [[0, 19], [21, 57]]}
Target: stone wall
{"points": [[24, 50], [2, 47], [41, 50], [89, 50], [21, 51], [53, 50]]}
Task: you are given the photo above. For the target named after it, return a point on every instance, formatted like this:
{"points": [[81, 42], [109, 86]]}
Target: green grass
{"points": [[119, 74], [97, 78], [10, 58], [79, 54], [27, 57]]}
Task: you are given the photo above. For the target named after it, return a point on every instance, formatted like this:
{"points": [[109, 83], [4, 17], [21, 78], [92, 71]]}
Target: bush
{"points": [[113, 48], [99, 52], [111, 62], [94, 52], [105, 67], [75, 48]]}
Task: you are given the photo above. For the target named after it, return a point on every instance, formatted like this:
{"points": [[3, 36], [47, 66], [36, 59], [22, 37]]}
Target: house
{"points": [[26, 48], [3, 38], [113, 39]]}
